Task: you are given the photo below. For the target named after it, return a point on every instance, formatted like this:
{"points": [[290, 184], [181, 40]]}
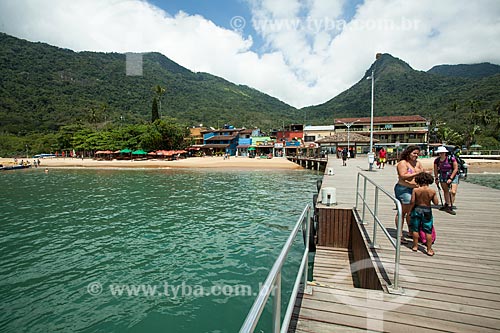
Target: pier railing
{"points": [[273, 282], [373, 210]]}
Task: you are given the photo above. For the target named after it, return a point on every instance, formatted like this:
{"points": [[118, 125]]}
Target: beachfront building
{"points": [[289, 140], [335, 143], [263, 146], [313, 133], [389, 131], [245, 141], [195, 140], [195, 135], [220, 141]]}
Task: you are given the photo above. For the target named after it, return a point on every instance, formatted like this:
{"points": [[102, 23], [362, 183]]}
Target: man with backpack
{"points": [[345, 155], [446, 173]]}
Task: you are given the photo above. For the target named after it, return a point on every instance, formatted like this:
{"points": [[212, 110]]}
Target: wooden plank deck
{"points": [[457, 290]]}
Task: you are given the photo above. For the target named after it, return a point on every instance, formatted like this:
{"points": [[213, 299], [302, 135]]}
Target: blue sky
{"points": [[221, 12], [303, 52]]}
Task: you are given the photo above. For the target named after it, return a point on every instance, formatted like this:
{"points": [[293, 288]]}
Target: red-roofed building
{"points": [[389, 130]]}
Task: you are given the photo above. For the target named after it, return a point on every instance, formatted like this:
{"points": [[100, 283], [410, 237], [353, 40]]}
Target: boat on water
{"points": [[14, 167]]}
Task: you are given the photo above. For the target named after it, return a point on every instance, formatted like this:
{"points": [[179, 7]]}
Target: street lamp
{"points": [[371, 155], [348, 125]]}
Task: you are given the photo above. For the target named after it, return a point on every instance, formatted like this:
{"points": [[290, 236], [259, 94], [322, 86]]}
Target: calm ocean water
{"points": [[72, 239], [490, 180]]}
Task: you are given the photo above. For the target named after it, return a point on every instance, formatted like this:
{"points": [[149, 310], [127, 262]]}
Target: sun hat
{"points": [[441, 149]]}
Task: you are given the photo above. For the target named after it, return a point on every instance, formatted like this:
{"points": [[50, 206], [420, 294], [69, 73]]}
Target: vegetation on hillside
{"points": [[53, 99], [45, 87], [457, 104], [476, 71]]}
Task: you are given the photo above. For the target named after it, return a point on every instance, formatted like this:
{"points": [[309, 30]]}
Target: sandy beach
{"points": [[193, 162], [475, 165]]}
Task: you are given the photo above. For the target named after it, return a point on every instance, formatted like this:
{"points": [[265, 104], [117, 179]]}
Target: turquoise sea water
{"points": [[490, 180], [72, 239]]}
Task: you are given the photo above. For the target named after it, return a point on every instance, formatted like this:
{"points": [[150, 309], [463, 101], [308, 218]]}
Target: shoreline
{"points": [[188, 163], [476, 166]]}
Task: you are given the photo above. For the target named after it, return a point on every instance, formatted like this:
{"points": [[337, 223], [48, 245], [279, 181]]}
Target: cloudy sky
{"points": [[303, 52]]}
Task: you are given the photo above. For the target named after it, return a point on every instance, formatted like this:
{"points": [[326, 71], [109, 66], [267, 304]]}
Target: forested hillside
{"points": [[472, 71], [49, 96], [468, 105], [44, 87]]}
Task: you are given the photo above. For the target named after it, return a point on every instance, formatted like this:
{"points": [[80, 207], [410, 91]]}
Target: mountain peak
{"points": [[386, 64]]}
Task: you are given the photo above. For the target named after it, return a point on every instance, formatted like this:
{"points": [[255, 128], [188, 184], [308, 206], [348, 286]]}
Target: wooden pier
{"points": [[457, 290], [316, 163]]}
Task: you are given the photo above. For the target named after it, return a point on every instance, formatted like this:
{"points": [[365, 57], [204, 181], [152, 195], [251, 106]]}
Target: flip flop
{"points": [[430, 254]]}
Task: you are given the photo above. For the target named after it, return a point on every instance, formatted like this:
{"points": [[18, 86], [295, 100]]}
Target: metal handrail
{"points": [[273, 281], [395, 243]]}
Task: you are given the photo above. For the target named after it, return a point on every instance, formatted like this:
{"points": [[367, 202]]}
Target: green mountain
{"points": [[474, 71], [43, 87], [401, 90]]}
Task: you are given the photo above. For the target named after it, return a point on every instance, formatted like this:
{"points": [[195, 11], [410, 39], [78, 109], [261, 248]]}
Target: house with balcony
{"points": [[220, 141], [390, 131]]}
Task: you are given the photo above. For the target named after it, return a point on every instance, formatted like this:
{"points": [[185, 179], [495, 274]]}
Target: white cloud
{"points": [[311, 53]]}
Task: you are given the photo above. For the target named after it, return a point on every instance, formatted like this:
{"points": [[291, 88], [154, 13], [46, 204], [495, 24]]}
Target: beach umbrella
{"points": [[139, 152], [125, 151]]}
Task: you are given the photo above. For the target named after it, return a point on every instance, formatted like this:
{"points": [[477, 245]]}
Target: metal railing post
{"points": [[273, 283], [375, 214], [308, 226], [398, 249], [277, 304], [396, 243], [357, 191], [364, 201]]}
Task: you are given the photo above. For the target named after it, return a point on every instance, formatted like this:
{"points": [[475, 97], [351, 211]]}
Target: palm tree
{"points": [[470, 134], [154, 110], [485, 116], [448, 135], [160, 91]]}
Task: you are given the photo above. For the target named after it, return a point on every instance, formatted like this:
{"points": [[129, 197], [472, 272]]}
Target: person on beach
{"points": [[446, 174], [408, 167], [382, 157], [421, 214]]}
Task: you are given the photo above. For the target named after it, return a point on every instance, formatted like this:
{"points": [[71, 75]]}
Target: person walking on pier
{"points": [[382, 157], [408, 167], [345, 155], [446, 174], [421, 214]]}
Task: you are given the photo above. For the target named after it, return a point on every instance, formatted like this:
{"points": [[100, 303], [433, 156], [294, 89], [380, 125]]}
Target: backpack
{"points": [[462, 166]]}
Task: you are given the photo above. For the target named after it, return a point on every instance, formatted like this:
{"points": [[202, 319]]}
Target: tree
{"points": [[160, 91], [449, 135], [470, 134], [163, 134], [154, 112]]}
